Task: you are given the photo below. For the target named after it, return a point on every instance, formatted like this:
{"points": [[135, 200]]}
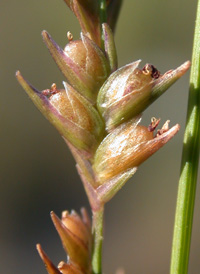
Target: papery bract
{"points": [[77, 226], [69, 269], [130, 90], [74, 116], [127, 147], [76, 237], [50, 267], [82, 62], [77, 250]]}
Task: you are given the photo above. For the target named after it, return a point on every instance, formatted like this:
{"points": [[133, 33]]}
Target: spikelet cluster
{"points": [[75, 233], [98, 114]]}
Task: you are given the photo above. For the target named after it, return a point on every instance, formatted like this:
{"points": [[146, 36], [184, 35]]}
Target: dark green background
{"points": [[37, 171]]}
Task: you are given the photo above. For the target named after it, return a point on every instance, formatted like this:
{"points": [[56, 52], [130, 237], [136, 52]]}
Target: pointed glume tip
{"points": [[45, 34], [17, 73], [57, 222], [19, 77], [40, 251], [185, 66]]}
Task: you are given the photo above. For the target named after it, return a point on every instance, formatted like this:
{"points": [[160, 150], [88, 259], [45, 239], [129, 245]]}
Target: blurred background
{"points": [[37, 170]]}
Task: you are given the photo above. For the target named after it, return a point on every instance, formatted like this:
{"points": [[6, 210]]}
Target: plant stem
{"points": [[97, 223], [97, 240], [102, 11], [189, 166], [102, 17]]}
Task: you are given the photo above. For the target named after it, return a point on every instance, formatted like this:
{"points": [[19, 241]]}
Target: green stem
{"points": [[97, 240], [102, 11], [102, 17], [189, 166]]}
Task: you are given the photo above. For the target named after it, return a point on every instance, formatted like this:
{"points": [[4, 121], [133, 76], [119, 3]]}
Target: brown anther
{"points": [[149, 69], [69, 36], [54, 89], [164, 128], [46, 92], [154, 124], [60, 265]]}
